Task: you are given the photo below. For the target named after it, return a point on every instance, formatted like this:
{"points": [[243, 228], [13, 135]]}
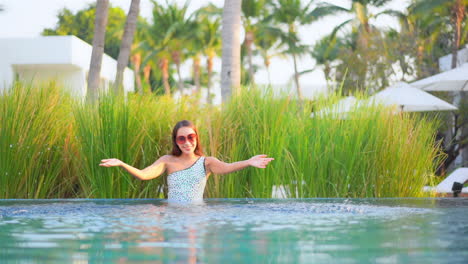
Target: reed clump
{"points": [[51, 145], [35, 131]]}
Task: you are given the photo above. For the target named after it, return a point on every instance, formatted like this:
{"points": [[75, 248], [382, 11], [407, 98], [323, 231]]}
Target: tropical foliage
{"points": [[81, 24], [290, 14], [51, 145], [379, 56], [357, 54]]}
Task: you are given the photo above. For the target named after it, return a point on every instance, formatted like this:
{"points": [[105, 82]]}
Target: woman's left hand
{"points": [[260, 161]]}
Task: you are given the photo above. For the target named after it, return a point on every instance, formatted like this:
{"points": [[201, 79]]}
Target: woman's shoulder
{"points": [[210, 159], [167, 158]]}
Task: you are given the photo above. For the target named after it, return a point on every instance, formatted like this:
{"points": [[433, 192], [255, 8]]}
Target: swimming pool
{"points": [[432, 230]]}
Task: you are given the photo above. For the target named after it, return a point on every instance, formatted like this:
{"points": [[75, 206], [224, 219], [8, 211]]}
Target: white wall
{"points": [[65, 58], [70, 77], [445, 62]]}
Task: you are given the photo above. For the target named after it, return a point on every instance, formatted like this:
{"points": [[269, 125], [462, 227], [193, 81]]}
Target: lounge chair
{"points": [[459, 175]]}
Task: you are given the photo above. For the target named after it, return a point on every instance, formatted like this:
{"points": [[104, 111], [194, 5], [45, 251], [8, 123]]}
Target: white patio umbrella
{"points": [[340, 109], [451, 80], [410, 99]]}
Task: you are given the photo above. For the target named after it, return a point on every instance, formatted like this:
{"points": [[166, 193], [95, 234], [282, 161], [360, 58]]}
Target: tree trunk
{"points": [[164, 64], [209, 65], [230, 67], [327, 71], [458, 16], [126, 44], [269, 76], [420, 73], [136, 60], [98, 49], [266, 61], [196, 72], [146, 73], [146, 77], [176, 59], [180, 83], [249, 38], [296, 79]]}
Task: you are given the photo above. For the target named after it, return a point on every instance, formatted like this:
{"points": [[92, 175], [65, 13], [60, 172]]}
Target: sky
{"points": [[27, 18]]}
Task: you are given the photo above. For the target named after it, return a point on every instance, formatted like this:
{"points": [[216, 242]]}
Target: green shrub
{"points": [[51, 145]]}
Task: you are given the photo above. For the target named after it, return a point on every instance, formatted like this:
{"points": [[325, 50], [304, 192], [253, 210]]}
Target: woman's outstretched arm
{"points": [[216, 166], [148, 173]]}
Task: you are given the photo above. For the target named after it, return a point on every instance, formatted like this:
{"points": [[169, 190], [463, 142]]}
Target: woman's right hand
{"points": [[111, 163]]}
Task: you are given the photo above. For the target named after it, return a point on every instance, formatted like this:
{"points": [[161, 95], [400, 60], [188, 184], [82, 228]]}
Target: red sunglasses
{"points": [[182, 139]]}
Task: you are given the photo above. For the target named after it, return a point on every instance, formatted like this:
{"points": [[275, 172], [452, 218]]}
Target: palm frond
{"points": [[339, 27]]}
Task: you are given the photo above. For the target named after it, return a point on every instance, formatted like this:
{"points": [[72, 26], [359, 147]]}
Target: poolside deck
{"points": [[464, 194]]}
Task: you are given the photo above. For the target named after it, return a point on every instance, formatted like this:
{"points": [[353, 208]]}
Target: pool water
{"points": [[429, 230]]}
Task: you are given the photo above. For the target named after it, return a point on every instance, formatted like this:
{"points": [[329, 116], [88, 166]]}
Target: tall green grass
{"points": [[51, 145], [34, 130], [372, 153]]}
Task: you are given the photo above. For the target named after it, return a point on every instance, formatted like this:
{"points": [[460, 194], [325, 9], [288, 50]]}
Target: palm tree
{"points": [[447, 12], [290, 14], [364, 36], [211, 48], [361, 17], [427, 26], [195, 52], [136, 62], [126, 44], [206, 42], [181, 30], [268, 43], [156, 50], [325, 52], [359, 11], [419, 38], [443, 14], [458, 15], [230, 67], [140, 51], [252, 11], [209, 19], [98, 49], [166, 38]]}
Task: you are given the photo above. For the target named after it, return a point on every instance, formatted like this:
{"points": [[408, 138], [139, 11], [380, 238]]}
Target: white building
{"points": [[65, 59], [445, 62]]}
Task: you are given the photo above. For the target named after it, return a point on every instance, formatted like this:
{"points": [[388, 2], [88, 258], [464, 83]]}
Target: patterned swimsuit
{"points": [[188, 185]]}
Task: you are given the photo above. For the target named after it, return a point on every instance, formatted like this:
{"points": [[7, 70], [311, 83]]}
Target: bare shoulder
{"points": [[210, 160], [211, 163], [165, 159]]}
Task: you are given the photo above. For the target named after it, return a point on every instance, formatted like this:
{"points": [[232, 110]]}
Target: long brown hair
{"points": [[175, 148]]}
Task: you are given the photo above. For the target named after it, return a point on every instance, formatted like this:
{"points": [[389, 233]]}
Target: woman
{"points": [[187, 167]]}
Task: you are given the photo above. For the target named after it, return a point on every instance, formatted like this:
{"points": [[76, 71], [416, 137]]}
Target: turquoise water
{"points": [[235, 231]]}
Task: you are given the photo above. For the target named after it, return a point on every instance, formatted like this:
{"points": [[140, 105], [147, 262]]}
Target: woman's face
{"points": [[186, 139]]}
